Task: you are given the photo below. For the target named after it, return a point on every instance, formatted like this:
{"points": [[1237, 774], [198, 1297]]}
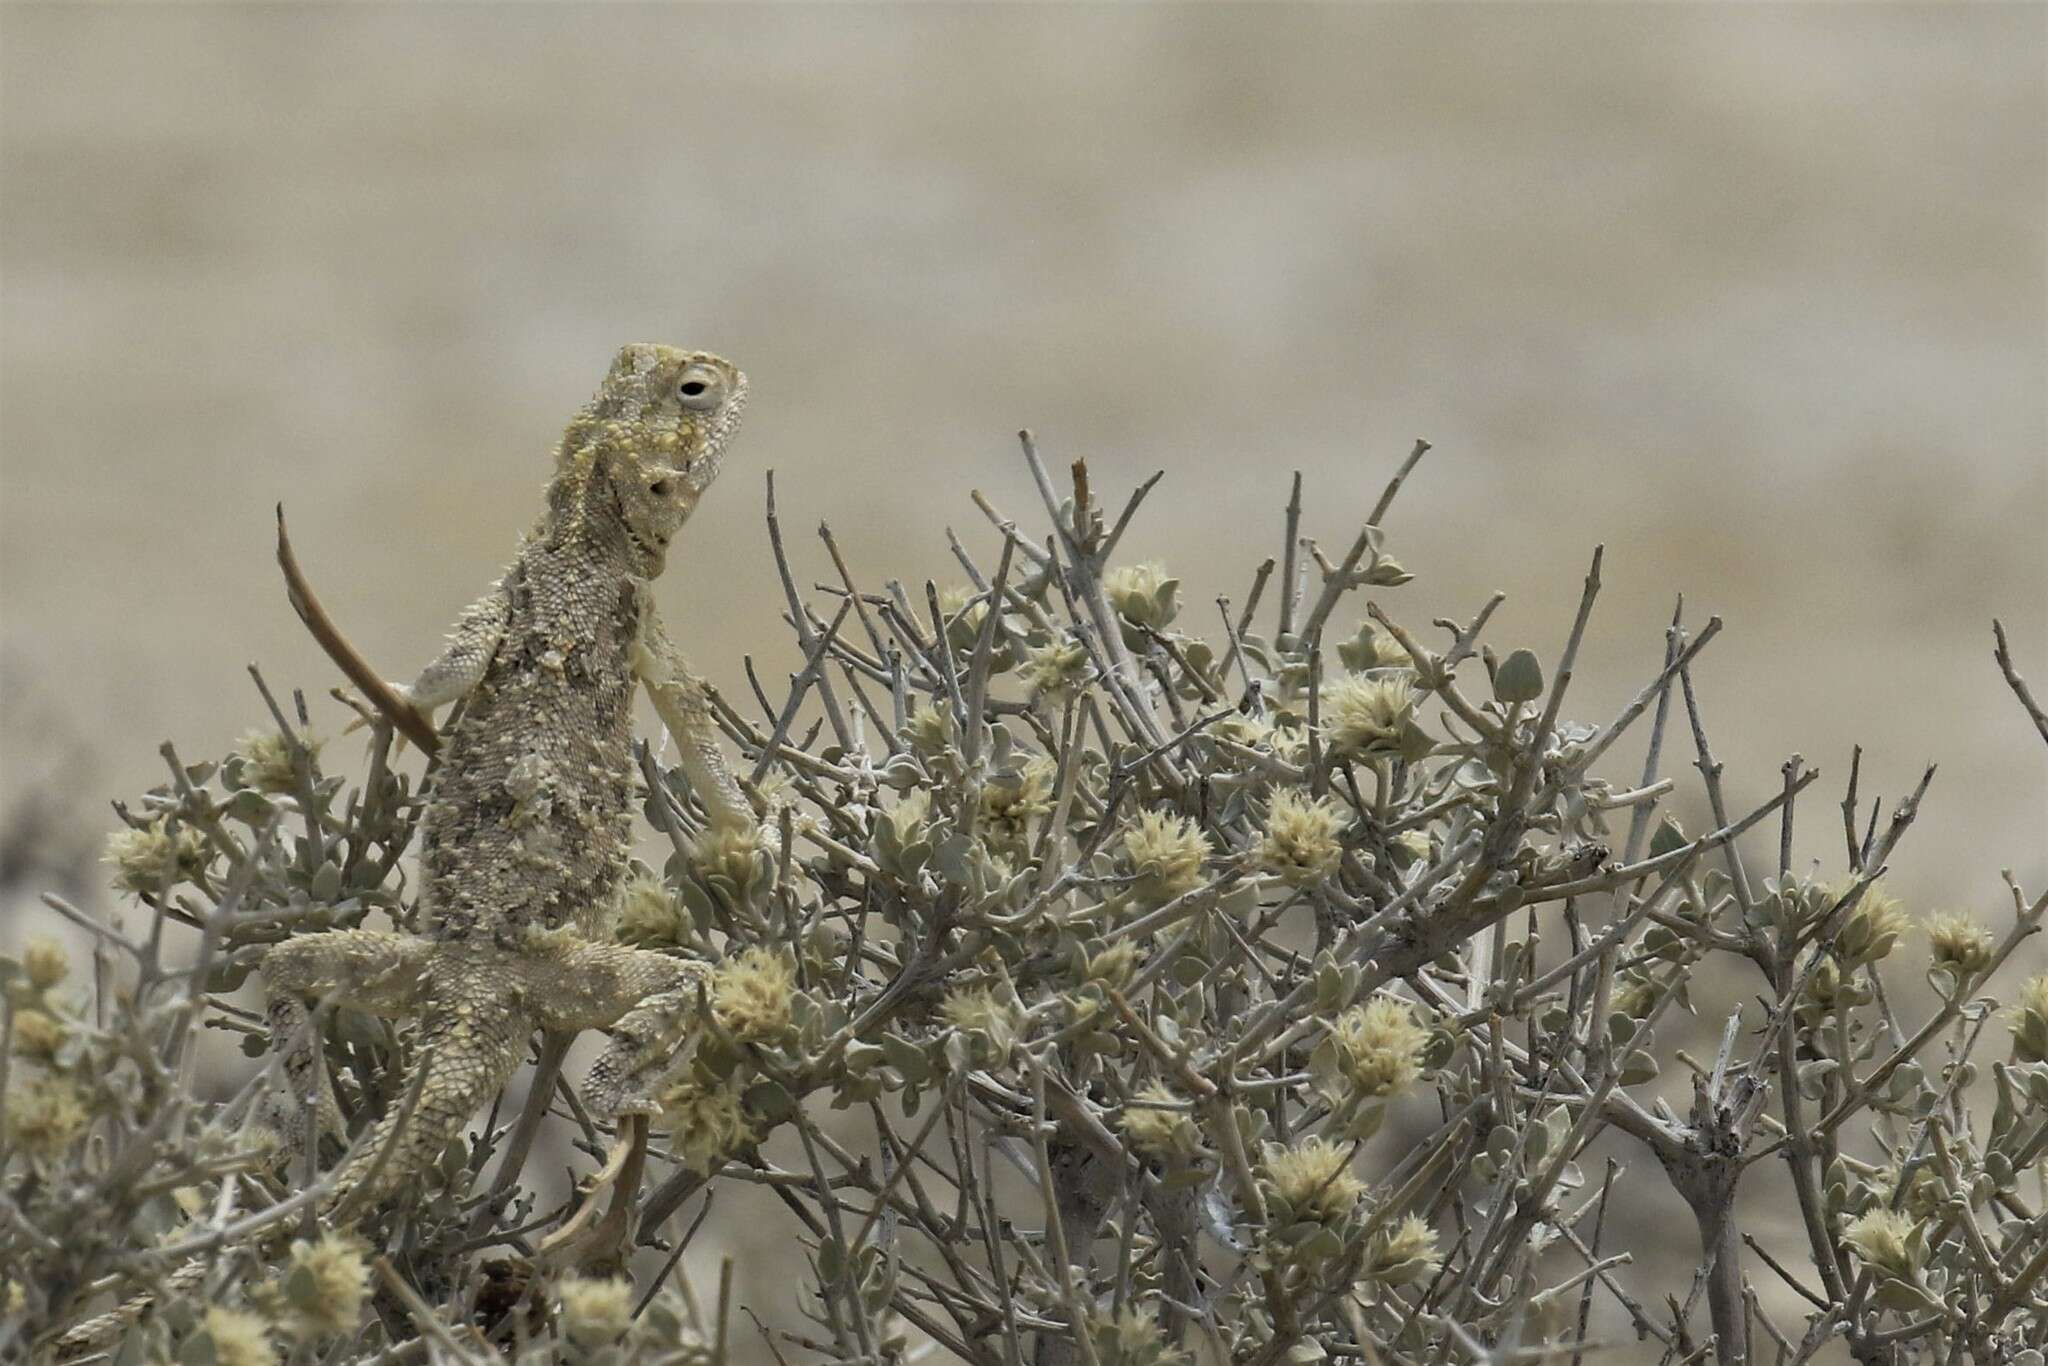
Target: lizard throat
{"points": [[647, 558], [586, 507]]}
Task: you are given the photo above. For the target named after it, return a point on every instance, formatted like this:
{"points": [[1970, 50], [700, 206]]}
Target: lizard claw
{"points": [[573, 1243], [368, 717]]}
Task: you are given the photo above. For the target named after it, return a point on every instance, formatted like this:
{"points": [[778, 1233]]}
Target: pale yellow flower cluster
{"points": [[752, 994], [152, 858], [1009, 804], [1956, 939], [1158, 1124], [1165, 853], [983, 1012], [45, 1116], [1378, 1047], [1404, 1253], [1367, 713], [742, 855], [1056, 669], [238, 1337], [1142, 594], [596, 1310], [706, 1121], [648, 913], [1314, 1178], [1883, 1238], [1873, 927], [336, 1281], [2030, 1021], [267, 760], [1301, 842]]}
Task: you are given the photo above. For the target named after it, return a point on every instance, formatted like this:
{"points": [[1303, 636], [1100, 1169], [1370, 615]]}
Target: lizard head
{"points": [[651, 442]]}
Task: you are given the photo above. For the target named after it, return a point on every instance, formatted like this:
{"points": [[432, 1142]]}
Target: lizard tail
{"points": [[468, 1049], [96, 1334]]}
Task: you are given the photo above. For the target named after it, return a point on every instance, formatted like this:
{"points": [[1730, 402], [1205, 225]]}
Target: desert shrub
{"points": [[1083, 956]]}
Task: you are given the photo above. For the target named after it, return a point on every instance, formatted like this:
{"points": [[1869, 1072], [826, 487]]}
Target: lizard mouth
{"points": [[648, 551]]}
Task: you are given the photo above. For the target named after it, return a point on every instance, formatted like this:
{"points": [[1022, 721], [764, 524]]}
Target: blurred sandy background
{"points": [[1754, 295]]}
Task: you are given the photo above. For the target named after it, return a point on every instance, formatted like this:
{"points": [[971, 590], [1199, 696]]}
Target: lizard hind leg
{"points": [[373, 970]]}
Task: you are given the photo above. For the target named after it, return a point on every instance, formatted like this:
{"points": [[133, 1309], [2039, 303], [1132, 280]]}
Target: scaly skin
{"points": [[530, 819]]}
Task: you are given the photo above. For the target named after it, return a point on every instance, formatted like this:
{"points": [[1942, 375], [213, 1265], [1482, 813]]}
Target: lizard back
{"points": [[530, 822]]}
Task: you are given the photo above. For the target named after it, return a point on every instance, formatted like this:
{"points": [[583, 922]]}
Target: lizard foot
{"points": [[649, 1047], [367, 716]]}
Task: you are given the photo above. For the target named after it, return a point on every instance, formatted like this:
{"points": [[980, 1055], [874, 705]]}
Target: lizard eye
{"points": [[700, 388]]}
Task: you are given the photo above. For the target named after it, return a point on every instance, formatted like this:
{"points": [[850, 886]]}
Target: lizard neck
{"points": [[584, 517]]}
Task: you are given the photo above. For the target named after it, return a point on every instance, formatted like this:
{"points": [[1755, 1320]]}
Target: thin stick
{"points": [[806, 637], [2003, 654], [1639, 819], [1289, 553], [1379, 509], [1116, 533]]}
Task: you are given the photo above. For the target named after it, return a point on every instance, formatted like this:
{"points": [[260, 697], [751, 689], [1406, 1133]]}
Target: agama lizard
{"points": [[528, 824]]}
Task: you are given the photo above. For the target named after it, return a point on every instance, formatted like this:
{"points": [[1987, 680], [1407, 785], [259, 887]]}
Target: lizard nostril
{"points": [[659, 488]]}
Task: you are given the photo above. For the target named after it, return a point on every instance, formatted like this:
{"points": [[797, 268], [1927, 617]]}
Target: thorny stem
{"points": [[2003, 654], [1289, 554], [806, 637]]}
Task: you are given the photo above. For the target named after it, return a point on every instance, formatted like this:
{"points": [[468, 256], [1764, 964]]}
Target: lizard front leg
{"points": [[461, 664], [453, 673], [680, 701]]}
